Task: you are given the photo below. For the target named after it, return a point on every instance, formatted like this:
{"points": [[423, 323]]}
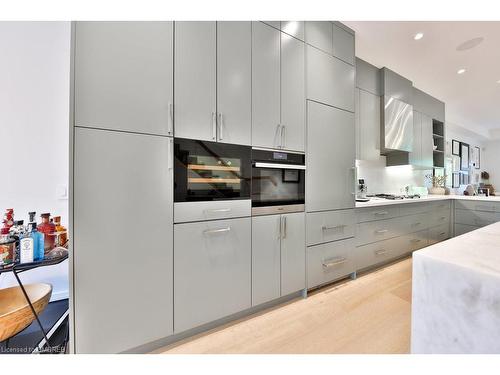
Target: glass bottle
{"points": [[7, 247], [48, 229], [62, 233]]}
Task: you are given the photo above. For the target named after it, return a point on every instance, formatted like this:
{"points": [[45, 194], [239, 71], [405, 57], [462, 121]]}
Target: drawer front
{"points": [[374, 231], [440, 205], [379, 252], [462, 229], [415, 223], [439, 233], [212, 210], [476, 218], [376, 213], [413, 208], [440, 217], [415, 241], [477, 205], [330, 226], [330, 261]]}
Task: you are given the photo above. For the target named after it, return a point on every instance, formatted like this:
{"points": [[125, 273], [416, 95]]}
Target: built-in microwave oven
{"points": [[278, 182], [207, 171]]}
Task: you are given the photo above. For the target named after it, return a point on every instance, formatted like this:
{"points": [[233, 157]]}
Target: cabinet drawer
{"points": [[376, 213], [212, 278], [443, 205], [379, 252], [439, 218], [439, 233], [476, 218], [374, 231], [477, 205], [415, 241], [415, 223], [462, 229], [413, 208], [211, 210], [330, 261], [329, 226]]}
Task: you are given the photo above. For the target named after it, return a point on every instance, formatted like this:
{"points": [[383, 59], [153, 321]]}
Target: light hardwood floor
{"points": [[368, 315]]}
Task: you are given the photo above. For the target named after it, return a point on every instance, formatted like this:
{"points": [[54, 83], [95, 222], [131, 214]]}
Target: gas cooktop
{"points": [[394, 197]]}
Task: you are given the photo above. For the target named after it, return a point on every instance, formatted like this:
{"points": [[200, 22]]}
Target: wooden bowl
{"points": [[15, 312]]}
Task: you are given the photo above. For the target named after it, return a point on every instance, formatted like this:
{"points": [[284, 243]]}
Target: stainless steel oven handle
{"points": [[217, 210], [279, 166], [170, 154], [214, 231], [221, 126], [170, 118], [214, 126]]}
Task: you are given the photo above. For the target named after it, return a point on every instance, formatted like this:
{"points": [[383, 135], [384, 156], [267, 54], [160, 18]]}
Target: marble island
{"points": [[373, 202], [456, 294]]}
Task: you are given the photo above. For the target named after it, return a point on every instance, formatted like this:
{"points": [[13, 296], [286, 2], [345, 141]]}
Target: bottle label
{"points": [[26, 247]]}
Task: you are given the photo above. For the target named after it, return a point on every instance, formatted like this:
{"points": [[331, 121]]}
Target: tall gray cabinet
{"points": [[122, 185]]}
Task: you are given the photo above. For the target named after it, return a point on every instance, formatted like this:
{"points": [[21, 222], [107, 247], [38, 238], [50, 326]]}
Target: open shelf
{"points": [[437, 136], [437, 128]]}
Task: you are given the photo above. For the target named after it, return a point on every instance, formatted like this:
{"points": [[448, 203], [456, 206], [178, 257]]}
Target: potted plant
{"points": [[438, 183]]}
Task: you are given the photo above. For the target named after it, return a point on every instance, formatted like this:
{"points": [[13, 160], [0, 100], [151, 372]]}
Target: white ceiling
{"points": [[473, 98]]}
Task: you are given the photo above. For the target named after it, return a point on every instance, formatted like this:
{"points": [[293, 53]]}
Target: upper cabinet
{"points": [[294, 28], [234, 82], [278, 89], [195, 80], [121, 82], [332, 38], [329, 80], [367, 125], [212, 81]]}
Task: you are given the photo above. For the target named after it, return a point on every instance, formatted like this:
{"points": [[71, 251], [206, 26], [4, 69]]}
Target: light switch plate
{"points": [[62, 192]]}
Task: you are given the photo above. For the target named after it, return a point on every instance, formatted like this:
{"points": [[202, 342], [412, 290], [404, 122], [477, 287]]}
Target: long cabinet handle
{"points": [[416, 224], [283, 135], [334, 262], [283, 227], [217, 210], [380, 231], [380, 252], [442, 233], [215, 231], [415, 240], [170, 119], [381, 213], [170, 154], [214, 126], [278, 134], [221, 126], [324, 227]]}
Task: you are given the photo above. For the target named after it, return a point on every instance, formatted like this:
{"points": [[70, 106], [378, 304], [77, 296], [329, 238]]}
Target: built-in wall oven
{"points": [[207, 171], [278, 182]]}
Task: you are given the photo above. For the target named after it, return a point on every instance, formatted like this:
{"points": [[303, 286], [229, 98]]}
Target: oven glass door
{"points": [[207, 171], [277, 186]]}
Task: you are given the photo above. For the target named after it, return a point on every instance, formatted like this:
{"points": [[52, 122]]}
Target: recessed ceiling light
{"points": [[498, 81], [418, 36], [461, 71]]}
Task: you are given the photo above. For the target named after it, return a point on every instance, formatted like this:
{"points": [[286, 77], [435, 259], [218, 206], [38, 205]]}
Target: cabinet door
{"points": [[343, 45], [265, 86], [195, 80], [330, 158], [369, 126], [293, 253], [427, 142], [265, 258], [320, 35], [329, 80], [123, 279], [121, 81], [416, 154], [212, 279], [293, 93], [294, 28], [234, 83]]}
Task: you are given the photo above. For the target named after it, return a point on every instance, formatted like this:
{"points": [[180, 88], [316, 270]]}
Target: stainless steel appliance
{"points": [[207, 171], [278, 182]]}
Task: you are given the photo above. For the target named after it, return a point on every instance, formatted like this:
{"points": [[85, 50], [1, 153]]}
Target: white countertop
{"points": [[373, 202], [455, 294]]}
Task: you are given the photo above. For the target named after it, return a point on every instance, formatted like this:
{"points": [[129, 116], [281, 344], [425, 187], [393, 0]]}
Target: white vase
{"points": [[436, 190]]}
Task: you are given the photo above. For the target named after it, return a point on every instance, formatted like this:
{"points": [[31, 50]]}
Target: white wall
{"points": [[34, 117]]}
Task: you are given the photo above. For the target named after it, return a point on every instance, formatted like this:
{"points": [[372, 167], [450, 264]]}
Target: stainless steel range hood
{"points": [[396, 132]]}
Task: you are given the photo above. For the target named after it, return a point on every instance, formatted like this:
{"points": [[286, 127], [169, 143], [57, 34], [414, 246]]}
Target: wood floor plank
{"points": [[368, 315]]}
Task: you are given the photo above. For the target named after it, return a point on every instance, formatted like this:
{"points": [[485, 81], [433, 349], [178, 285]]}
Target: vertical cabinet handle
{"points": [[214, 126], [221, 126], [278, 133], [283, 227], [283, 135], [170, 163], [170, 129]]}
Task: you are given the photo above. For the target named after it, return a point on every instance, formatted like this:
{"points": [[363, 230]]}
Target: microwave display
{"points": [[211, 171]]}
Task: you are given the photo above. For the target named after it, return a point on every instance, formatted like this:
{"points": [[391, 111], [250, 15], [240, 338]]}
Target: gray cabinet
{"points": [[329, 80], [212, 279], [293, 253], [195, 80], [368, 125], [234, 83], [294, 28], [320, 35], [278, 256], [266, 130], [343, 44], [427, 142], [292, 93], [266, 262], [330, 158], [416, 153], [123, 279], [124, 76]]}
